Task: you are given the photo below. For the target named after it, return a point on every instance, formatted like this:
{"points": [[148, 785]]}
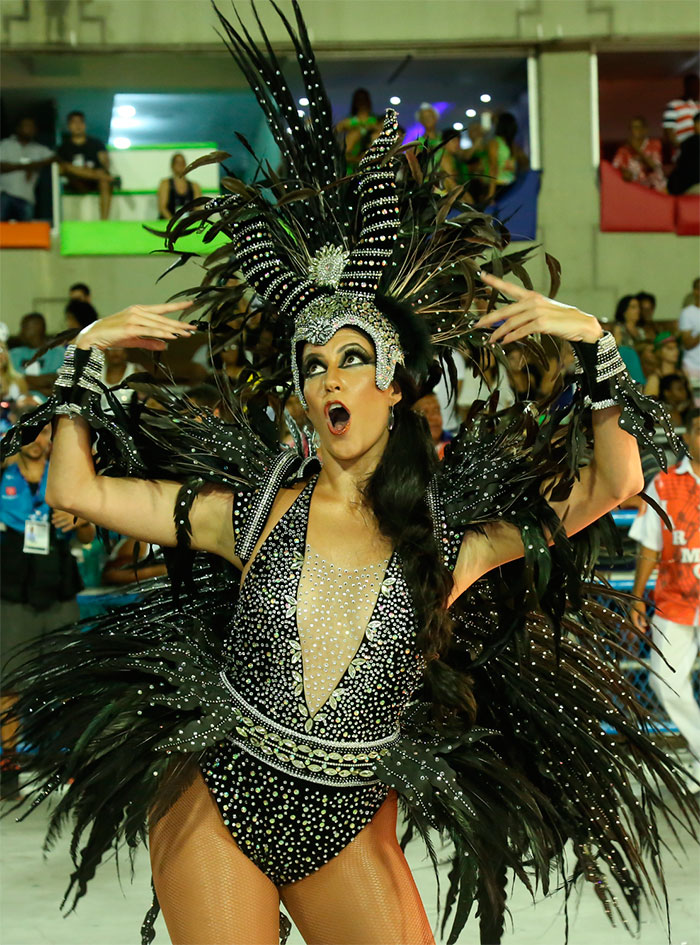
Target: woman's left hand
{"points": [[533, 312]]}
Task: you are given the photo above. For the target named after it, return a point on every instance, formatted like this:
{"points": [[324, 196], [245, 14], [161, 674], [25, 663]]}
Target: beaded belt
{"points": [[346, 764]]}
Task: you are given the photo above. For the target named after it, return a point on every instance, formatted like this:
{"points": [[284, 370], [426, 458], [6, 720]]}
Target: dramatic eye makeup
{"points": [[349, 357]]}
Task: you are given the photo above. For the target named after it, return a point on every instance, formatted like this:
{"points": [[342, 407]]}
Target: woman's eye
{"points": [[356, 357], [313, 367]]}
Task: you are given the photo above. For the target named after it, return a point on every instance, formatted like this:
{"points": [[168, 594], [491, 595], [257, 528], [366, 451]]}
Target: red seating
{"points": [[630, 208], [688, 215]]}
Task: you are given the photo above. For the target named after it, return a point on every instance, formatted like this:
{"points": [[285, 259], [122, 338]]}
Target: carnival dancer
{"points": [[405, 630]]}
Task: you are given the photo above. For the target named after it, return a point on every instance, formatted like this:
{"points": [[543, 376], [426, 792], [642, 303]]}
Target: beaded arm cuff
{"points": [[598, 364], [79, 380]]}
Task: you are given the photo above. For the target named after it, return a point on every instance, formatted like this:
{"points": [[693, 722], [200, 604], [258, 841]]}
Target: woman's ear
{"points": [[395, 393]]}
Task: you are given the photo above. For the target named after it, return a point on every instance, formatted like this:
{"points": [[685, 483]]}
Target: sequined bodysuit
{"points": [[321, 662]]}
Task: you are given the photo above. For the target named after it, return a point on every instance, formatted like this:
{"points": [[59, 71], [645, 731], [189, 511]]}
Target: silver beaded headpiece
{"points": [[326, 315], [352, 276]]}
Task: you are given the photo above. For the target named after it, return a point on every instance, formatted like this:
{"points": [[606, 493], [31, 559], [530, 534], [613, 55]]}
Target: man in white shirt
{"points": [[21, 159], [689, 330]]}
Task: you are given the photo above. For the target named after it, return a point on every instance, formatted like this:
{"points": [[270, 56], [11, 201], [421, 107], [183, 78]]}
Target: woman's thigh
{"points": [[365, 895], [208, 889]]}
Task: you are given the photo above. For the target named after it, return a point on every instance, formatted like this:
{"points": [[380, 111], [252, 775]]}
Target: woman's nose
{"points": [[332, 379]]}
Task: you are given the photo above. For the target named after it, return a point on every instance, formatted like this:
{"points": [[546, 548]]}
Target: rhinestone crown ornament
{"points": [[327, 265], [353, 276]]}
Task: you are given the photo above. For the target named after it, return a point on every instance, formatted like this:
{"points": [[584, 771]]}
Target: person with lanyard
{"points": [[40, 575]]}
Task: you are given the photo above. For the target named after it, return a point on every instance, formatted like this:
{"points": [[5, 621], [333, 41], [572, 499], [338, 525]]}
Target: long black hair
{"points": [[396, 493]]}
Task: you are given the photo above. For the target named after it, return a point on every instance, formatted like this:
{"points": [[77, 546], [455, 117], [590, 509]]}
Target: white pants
{"points": [[679, 644]]}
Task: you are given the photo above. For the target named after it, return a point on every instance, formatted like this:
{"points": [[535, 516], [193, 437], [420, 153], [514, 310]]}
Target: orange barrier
{"points": [[25, 235]]}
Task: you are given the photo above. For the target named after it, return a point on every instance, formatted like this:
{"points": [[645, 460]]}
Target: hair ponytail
{"points": [[396, 493]]}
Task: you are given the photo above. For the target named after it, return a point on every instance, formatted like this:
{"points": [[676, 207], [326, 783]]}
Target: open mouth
{"points": [[338, 417]]}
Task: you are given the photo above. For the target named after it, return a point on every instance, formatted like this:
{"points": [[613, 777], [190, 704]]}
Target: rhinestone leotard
{"points": [[319, 696]]}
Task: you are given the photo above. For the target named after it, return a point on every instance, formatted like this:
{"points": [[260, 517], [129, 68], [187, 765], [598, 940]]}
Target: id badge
{"points": [[37, 534]]}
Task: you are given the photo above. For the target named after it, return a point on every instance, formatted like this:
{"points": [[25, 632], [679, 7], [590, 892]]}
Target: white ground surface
{"points": [[32, 887]]}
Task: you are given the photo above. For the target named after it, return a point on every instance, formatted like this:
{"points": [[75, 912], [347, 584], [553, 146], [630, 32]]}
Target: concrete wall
{"points": [[343, 24]]}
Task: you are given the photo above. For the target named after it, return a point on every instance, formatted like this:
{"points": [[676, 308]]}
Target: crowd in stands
{"points": [[640, 159]]}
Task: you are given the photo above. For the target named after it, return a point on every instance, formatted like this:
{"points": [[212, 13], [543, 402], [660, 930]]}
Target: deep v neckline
{"points": [[368, 633]]}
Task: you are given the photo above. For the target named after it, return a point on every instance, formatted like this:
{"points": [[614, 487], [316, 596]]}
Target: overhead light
{"points": [[303, 102], [395, 100], [301, 113], [125, 111], [122, 143], [485, 97], [457, 125], [470, 113], [121, 123]]}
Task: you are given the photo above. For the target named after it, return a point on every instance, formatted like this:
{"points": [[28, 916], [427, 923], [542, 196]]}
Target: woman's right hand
{"points": [[138, 326]]}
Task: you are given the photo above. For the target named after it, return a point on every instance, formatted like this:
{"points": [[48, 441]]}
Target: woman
{"points": [[668, 354], [359, 129], [268, 739], [506, 159], [627, 329], [12, 383], [175, 192]]}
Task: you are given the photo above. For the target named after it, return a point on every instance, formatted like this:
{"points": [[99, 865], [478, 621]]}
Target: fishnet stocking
{"points": [[365, 895], [209, 891]]}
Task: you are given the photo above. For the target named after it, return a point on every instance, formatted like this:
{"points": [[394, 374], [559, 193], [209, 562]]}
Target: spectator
{"points": [[85, 162], [428, 117], [628, 328], [429, 406], [359, 129], [447, 397], [40, 575], [480, 381], [21, 159], [675, 395], [679, 114], [685, 176], [639, 159], [81, 292], [41, 373], [667, 352], [175, 192], [675, 625], [452, 164], [79, 314], [205, 395], [121, 568], [476, 157], [647, 307], [689, 330], [506, 158], [12, 383], [117, 366], [648, 359]]}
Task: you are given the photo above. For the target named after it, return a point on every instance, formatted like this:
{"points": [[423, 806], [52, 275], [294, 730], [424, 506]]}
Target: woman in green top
{"points": [[506, 158], [360, 128]]}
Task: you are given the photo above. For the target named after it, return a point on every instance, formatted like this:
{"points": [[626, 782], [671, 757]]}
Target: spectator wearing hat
{"points": [[668, 354], [639, 158]]}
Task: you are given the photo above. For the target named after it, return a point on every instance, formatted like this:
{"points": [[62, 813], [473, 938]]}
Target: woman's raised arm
{"points": [[615, 472], [140, 508]]}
